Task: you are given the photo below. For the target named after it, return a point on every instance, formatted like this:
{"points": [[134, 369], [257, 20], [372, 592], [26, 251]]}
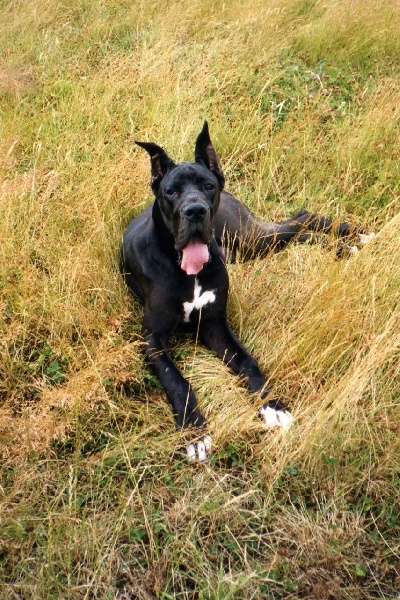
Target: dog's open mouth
{"points": [[194, 256]]}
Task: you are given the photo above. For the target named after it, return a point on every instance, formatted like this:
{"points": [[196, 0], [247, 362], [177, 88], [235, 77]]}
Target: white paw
{"points": [[276, 418], [199, 450], [364, 238]]}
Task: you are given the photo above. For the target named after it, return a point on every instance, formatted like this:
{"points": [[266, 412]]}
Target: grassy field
{"points": [[303, 101]]}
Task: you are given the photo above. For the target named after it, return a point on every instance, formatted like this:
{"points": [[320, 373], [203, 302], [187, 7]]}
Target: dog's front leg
{"points": [[217, 335], [179, 393]]}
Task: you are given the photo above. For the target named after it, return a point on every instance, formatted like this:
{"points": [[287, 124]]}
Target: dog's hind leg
{"points": [[249, 237]]}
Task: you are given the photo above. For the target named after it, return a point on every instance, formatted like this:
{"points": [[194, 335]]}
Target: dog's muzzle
{"points": [[196, 234]]}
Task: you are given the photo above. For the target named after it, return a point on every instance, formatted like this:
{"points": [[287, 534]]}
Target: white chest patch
{"points": [[199, 300]]}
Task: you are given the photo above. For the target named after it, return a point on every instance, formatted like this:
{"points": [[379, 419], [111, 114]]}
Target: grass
{"points": [[303, 104]]}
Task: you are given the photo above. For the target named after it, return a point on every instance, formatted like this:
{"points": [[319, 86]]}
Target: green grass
{"points": [[303, 104]]}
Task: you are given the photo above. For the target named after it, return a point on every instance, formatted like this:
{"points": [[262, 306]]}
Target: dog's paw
{"points": [[276, 414], [345, 250], [199, 450]]}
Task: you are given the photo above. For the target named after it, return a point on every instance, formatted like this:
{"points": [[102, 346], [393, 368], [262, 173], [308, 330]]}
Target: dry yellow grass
{"points": [[303, 103]]}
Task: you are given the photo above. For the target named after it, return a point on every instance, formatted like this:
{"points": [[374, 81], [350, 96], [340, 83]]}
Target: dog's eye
{"points": [[170, 193], [209, 187]]}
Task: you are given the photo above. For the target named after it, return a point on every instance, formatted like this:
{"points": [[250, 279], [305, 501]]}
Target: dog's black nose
{"points": [[195, 211]]}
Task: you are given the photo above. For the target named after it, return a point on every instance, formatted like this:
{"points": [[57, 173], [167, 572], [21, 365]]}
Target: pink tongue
{"points": [[194, 257]]}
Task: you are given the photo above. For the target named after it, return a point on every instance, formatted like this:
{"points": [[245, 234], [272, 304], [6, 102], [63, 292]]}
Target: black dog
{"points": [[173, 260]]}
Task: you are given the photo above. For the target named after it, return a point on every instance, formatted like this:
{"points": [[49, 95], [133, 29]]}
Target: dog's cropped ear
{"points": [[205, 154], [161, 163]]}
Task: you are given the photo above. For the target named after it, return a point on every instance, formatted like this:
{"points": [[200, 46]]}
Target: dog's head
{"points": [[188, 196]]}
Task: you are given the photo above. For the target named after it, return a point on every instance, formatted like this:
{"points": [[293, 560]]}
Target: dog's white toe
{"points": [[191, 453], [199, 450], [276, 418], [364, 238], [207, 443], [285, 418]]}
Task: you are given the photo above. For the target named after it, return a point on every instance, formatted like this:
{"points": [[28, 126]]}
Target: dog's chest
{"points": [[201, 298]]}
